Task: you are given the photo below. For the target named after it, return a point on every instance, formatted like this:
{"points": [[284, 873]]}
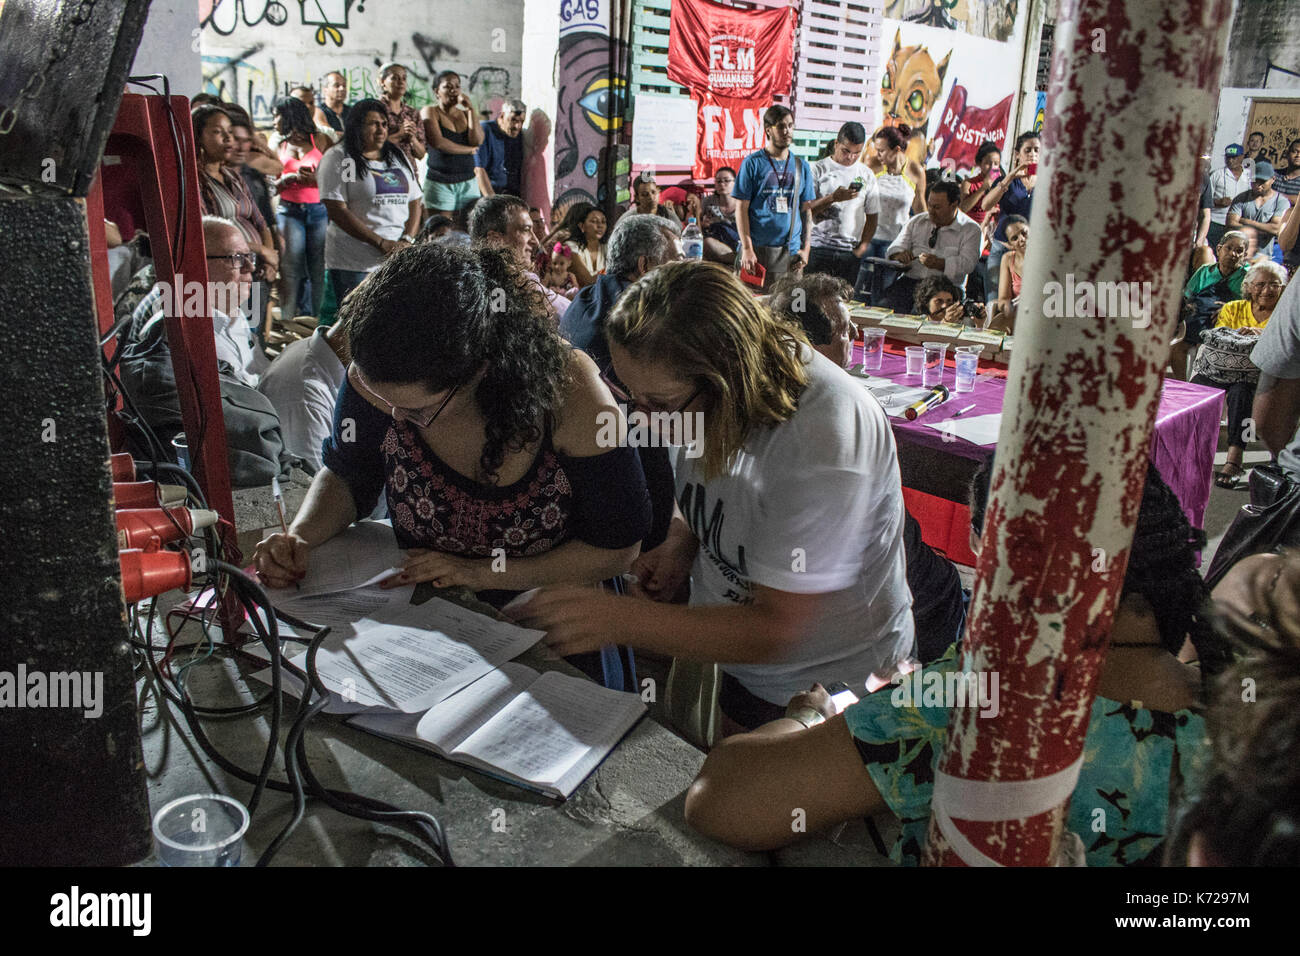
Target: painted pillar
{"points": [[1130, 109], [591, 100]]}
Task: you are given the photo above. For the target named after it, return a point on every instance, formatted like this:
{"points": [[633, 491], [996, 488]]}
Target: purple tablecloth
{"points": [[1183, 447]]}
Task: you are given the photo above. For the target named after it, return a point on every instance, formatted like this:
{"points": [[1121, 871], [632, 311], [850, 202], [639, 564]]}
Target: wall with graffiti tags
{"points": [[256, 50]]}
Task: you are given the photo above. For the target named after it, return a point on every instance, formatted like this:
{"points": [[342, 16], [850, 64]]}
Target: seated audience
{"points": [[1277, 395], [1263, 208], [645, 192], [372, 195], [435, 228], [813, 590], [1247, 812], [718, 219], [1210, 287], [556, 271], [638, 244], [479, 425], [502, 221], [943, 240], [1262, 289], [1012, 268], [881, 756], [303, 383], [584, 235]]}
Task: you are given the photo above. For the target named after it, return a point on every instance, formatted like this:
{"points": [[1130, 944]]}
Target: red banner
{"points": [[728, 130], [963, 128], [731, 52]]}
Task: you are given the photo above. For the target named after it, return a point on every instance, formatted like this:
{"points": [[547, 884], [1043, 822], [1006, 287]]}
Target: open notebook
{"points": [[545, 732]]}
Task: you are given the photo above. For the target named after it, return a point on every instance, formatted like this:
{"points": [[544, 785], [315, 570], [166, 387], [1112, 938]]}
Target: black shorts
{"points": [[743, 707]]}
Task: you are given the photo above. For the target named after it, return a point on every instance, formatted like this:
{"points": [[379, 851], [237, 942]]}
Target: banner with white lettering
{"points": [[733, 62], [963, 128]]}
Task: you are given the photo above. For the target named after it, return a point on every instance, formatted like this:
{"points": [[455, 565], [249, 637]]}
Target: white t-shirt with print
{"points": [[379, 196], [842, 227], [811, 506], [896, 193]]}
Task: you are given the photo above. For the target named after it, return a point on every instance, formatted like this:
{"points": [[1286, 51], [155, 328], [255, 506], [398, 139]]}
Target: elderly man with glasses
{"points": [[499, 162], [230, 276], [943, 240]]}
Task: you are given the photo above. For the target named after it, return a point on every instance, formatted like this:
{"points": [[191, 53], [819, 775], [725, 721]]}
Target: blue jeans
{"points": [[303, 227], [344, 281]]}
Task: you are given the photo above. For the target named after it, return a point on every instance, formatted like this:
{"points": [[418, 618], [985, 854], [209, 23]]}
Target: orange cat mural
{"points": [[908, 90]]}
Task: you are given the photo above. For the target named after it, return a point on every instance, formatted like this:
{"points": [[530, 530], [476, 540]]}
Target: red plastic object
{"points": [[755, 278], [135, 526], [144, 494], [122, 466], [150, 573]]}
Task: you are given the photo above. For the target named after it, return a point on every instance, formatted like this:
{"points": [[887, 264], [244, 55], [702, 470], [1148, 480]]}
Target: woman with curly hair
{"points": [[790, 511], [1146, 740], [480, 426]]}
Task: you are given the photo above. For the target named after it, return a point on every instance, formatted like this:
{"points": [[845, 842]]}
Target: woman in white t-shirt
{"points": [[896, 194], [372, 196], [789, 517]]}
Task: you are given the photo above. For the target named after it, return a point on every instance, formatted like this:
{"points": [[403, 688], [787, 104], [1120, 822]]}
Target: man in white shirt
{"points": [[230, 275], [943, 240], [504, 221], [1226, 185], [302, 383], [846, 208]]}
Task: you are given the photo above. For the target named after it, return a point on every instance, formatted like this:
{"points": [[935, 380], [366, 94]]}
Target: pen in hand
{"points": [[279, 507]]}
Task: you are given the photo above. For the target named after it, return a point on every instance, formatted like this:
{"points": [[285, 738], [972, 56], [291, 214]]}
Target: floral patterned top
{"points": [[601, 500], [1120, 807]]}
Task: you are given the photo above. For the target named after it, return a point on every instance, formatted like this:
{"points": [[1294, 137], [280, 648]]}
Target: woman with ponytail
{"points": [[789, 518], [1146, 742], [480, 425], [900, 184]]}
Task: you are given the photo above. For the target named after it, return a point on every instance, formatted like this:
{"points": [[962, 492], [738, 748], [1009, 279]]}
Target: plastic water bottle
{"points": [[692, 240]]}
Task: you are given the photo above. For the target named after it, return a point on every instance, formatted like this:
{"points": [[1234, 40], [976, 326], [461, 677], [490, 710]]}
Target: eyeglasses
{"points": [[622, 395], [416, 416], [1268, 285], [242, 260]]}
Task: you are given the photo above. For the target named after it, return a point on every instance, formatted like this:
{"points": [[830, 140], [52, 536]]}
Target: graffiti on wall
{"points": [[255, 51], [991, 19], [590, 102]]}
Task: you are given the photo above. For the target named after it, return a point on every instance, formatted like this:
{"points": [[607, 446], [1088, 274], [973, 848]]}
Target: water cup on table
{"points": [[205, 829], [873, 348], [935, 353], [915, 356], [967, 361]]}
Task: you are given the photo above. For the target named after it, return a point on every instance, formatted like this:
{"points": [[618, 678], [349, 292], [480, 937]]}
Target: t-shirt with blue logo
{"points": [[768, 185]]}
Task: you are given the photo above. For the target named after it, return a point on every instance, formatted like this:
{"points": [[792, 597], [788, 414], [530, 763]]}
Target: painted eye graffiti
{"points": [[916, 102], [604, 103], [886, 81]]}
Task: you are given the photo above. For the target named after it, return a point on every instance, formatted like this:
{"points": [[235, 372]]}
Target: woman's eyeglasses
{"points": [[416, 416], [622, 395], [242, 260]]}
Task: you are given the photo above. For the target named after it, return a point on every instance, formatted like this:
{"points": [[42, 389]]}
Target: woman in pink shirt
{"points": [[302, 215]]}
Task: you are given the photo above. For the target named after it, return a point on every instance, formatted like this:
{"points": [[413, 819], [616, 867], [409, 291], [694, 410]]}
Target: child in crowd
{"points": [[556, 270]]}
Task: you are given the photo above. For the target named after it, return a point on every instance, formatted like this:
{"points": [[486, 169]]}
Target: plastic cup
{"points": [[915, 359], [205, 829], [181, 449], [967, 366], [873, 348], [935, 353]]}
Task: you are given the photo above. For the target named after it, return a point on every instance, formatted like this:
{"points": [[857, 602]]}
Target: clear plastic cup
{"points": [[181, 449], [873, 348], [205, 829], [968, 363], [935, 353], [915, 355]]}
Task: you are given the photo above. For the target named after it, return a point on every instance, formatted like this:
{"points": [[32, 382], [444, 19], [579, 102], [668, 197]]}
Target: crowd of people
{"points": [[476, 349]]}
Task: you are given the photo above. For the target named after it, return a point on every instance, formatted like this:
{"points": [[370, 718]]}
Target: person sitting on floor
{"points": [[881, 753], [502, 221], [1262, 288], [303, 383], [939, 300], [1209, 288]]}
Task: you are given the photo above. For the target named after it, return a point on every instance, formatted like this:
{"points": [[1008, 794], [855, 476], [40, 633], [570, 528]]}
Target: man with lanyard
{"points": [[1226, 185], [775, 191]]}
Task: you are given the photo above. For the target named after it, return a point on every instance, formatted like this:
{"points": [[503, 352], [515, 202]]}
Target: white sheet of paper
{"points": [[428, 656], [364, 554], [980, 430], [893, 396]]}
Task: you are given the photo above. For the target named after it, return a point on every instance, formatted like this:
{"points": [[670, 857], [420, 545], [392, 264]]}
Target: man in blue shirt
{"points": [[499, 162], [775, 190]]}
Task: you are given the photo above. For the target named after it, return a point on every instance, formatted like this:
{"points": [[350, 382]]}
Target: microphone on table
{"points": [[938, 395]]}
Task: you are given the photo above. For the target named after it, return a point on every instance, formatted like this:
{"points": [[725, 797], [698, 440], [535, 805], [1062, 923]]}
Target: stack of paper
{"points": [[943, 330], [982, 338], [908, 323]]}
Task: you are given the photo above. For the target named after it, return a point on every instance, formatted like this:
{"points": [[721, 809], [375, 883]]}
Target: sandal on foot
{"points": [[1226, 478]]}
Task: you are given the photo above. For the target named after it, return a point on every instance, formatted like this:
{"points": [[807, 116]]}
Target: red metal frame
{"points": [[142, 137]]}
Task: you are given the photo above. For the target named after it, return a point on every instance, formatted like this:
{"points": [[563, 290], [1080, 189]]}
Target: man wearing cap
{"points": [[499, 162], [1264, 208], [1226, 185]]}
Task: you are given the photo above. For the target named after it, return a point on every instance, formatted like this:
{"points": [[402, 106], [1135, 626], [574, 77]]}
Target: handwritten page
{"points": [[894, 397], [409, 667], [363, 554]]}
